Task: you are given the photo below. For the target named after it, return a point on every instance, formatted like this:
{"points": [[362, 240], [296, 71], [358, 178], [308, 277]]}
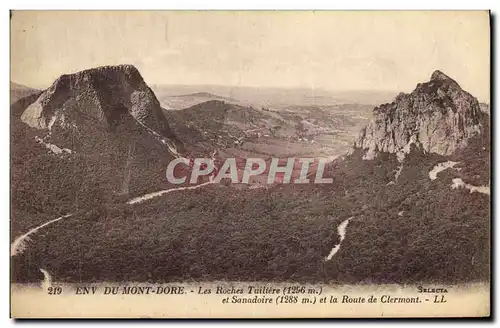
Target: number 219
{"points": [[54, 290]]}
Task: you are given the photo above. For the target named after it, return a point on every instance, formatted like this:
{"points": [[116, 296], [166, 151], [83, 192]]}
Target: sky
{"points": [[332, 50]]}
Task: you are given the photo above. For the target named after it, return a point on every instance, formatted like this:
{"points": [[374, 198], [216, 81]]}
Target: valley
{"points": [[391, 213]]}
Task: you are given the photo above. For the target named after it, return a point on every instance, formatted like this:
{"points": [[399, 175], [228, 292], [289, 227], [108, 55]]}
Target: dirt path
{"points": [[47, 279], [19, 244], [440, 167], [341, 230], [143, 198]]}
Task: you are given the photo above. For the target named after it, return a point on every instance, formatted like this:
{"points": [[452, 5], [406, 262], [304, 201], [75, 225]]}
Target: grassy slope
{"points": [[283, 233], [217, 125], [46, 185], [216, 233]]}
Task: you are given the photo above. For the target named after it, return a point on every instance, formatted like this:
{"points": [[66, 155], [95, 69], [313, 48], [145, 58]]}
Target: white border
{"points": [[191, 4], [257, 4]]}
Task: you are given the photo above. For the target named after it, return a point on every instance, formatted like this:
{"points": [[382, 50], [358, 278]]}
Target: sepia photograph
{"points": [[250, 164]]}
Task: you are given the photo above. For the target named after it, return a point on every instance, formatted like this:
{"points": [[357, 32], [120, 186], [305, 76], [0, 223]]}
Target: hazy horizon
{"points": [[335, 51], [42, 87]]}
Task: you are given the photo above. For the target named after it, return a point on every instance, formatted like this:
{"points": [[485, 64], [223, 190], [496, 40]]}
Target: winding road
{"points": [[145, 197], [47, 279], [19, 244], [341, 230]]}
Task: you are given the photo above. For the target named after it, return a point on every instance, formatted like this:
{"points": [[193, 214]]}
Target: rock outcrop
{"points": [[437, 117], [104, 95]]}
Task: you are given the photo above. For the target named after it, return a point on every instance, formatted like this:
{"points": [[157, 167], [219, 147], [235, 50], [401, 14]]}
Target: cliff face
{"points": [[96, 134], [438, 117], [105, 95]]}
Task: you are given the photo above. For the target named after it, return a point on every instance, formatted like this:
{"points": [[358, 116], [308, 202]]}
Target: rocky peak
{"points": [[438, 117], [437, 75], [103, 95]]}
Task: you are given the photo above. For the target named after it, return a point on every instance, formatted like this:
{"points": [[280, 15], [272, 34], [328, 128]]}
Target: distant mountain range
{"points": [[177, 102], [18, 91], [205, 95], [273, 98]]}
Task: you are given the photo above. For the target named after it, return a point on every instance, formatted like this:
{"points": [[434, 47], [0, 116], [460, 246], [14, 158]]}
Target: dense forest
{"points": [[405, 226], [414, 230]]}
